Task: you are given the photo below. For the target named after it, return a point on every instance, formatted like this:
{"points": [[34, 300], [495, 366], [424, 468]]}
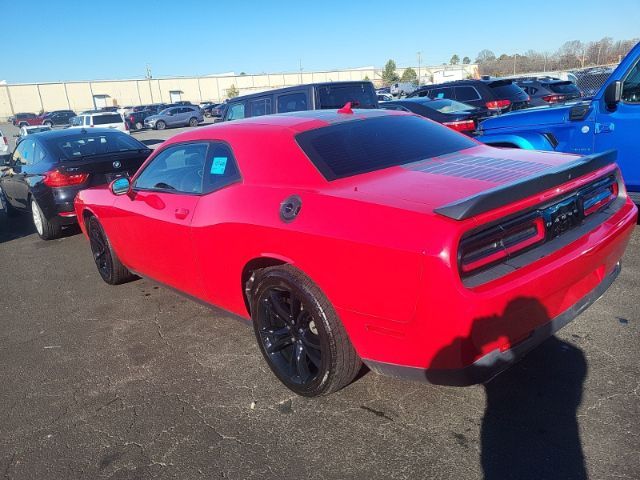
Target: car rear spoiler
{"points": [[512, 192]]}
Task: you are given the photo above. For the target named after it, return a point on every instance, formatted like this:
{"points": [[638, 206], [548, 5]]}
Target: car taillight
{"points": [[498, 104], [599, 195], [131, 118], [126, 126], [499, 242], [554, 98], [4, 139], [56, 178], [462, 125]]}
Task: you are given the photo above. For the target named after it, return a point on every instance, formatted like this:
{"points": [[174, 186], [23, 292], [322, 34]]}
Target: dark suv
{"points": [[58, 117], [314, 96], [492, 95], [547, 90]]}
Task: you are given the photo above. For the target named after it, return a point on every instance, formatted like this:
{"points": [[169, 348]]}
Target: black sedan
{"points": [[456, 115], [48, 169]]}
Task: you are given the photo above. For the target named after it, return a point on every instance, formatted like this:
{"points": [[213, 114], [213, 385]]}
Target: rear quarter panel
{"points": [[365, 257]]}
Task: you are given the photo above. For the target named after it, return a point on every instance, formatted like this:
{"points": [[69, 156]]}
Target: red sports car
{"points": [[368, 236]]}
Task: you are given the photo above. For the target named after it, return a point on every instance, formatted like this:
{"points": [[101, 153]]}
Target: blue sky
{"points": [[95, 39]]}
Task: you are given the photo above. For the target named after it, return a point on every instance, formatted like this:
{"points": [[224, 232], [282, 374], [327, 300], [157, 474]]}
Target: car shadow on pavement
{"points": [[529, 429], [12, 228], [15, 227]]}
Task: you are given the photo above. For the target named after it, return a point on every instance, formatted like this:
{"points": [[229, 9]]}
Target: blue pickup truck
{"points": [[608, 120]]}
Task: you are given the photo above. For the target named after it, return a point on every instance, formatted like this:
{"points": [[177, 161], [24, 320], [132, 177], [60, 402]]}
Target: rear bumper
{"points": [[454, 326], [496, 361]]}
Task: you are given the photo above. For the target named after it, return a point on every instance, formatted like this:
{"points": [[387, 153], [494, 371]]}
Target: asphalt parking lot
{"points": [[136, 382]]}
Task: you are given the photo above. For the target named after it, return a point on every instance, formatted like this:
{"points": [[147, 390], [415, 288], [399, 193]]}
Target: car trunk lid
{"points": [[104, 168], [467, 183]]}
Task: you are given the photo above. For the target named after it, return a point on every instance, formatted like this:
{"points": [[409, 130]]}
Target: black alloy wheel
{"points": [[289, 336], [100, 249], [299, 333], [109, 266]]}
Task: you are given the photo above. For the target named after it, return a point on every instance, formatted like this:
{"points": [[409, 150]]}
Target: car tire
{"points": [[109, 266], [207, 114], [160, 125], [48, 124], [138, 126], [46, 229], [193, 122], [299, 332]]}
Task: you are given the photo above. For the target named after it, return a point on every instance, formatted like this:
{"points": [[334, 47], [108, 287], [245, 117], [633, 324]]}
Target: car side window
{"points": [[38, 152], [221, 168], [24, 154], [631, 85], [442, 93], [466, 94], [261, 106], [176, 169], [292, 102], [236, 112]]}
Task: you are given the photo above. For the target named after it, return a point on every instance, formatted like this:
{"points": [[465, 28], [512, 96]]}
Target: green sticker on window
{"points": [[218, 166]]}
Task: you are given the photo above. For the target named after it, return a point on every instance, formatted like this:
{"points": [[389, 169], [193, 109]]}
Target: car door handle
{"points": [[181, 213]]}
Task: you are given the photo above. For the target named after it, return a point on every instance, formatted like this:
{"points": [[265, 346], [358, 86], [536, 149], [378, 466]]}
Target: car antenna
{"points": [[346, 109]]}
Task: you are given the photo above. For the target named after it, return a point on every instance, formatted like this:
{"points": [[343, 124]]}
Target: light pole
{"points": [[419, 65], [149, 81]]}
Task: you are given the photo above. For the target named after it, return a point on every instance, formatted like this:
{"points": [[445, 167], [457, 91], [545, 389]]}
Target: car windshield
{"points": [[361, 146], [361, 95], [72, 147], [29, 131]]}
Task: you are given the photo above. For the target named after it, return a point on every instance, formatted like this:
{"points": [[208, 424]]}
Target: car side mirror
{"points": [[613, 94], [120, 186]]}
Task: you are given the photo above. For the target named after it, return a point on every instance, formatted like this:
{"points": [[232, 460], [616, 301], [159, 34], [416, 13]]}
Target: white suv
{"points": [[100, 119]]}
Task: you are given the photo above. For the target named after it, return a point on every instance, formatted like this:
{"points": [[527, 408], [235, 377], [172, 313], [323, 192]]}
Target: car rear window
{"points": [[504, 89], [448, 106], [564, 87], [361, 95], [105, 119], [361, 146], [72, 147]]}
